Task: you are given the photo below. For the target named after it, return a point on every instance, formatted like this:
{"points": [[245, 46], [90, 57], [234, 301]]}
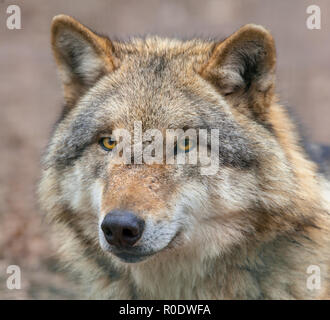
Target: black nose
{"points": [[122, 228]]}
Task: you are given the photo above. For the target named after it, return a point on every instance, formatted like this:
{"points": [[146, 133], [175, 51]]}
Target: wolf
{"points": [[257, 228]]}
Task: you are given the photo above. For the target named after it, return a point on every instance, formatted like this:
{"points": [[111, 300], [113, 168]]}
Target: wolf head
{"points": [[136, 210]]}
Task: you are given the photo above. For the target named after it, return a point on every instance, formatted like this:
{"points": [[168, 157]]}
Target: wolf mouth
{"points": [[129, 256]]}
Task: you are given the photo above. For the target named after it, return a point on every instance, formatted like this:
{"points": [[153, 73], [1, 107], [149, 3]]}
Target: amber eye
{"points": [[107, 143], [185, 145]]}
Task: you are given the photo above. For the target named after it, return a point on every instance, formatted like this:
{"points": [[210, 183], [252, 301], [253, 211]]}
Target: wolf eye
{"points": [[185, 145], [107, 144]]}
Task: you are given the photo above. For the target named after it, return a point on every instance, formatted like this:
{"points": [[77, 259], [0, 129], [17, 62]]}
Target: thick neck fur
{"points": [[250, 271]]}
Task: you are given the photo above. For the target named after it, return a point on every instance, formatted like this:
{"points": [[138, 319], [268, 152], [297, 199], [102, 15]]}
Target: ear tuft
{"points": [[82, 56]]}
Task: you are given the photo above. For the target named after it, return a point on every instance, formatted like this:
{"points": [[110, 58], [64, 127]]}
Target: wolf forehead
{"points": [[108, 107]]}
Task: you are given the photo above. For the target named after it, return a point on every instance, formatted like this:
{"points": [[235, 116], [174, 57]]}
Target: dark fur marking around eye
{"points": [[235, 147], [82, 132]]}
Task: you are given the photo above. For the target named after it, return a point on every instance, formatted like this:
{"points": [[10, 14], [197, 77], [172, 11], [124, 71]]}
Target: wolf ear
{"points": [[243, 66], [81, 56]]}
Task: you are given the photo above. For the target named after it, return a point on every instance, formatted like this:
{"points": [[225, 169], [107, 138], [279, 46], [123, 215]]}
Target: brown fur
{"points": [[248, 232]]}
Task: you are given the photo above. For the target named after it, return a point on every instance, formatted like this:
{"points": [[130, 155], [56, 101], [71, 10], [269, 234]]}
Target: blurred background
{"points": [[31, 99]]}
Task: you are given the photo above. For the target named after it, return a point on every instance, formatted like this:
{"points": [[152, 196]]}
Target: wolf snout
{"points": [[122, 228]]}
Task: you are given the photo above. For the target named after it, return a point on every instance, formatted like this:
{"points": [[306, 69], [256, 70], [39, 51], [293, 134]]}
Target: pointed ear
{"points": [[81, 55], [242, 67]]}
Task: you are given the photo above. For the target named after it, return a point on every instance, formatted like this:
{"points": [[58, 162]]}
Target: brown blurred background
{"points": [[31, 98]]}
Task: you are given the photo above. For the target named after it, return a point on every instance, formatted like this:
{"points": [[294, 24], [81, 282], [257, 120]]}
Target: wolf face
{"points": [[137, 211]]}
